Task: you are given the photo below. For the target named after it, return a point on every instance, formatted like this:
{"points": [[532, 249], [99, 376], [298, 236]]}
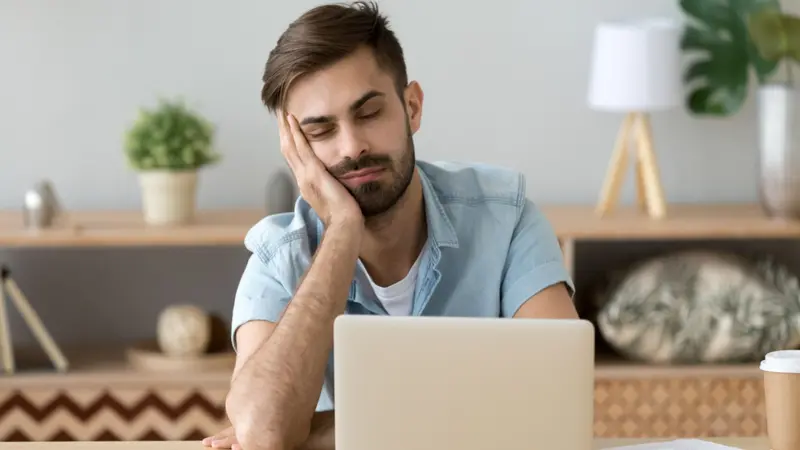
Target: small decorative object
{"points": [[635, 70], [31, 318], [183, 330], [701, 307], [41, 206], [167, 146], [281, 193], [759, 40], [188, 339]]}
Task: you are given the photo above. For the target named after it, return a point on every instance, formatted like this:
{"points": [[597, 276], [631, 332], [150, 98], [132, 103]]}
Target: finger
{"points": [[300, 142], [288, 147], [224, 442], [236, 447], [287, 141]]}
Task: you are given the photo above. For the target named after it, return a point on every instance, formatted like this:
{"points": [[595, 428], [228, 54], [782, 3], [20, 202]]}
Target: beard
{"points": [[377, 197]]}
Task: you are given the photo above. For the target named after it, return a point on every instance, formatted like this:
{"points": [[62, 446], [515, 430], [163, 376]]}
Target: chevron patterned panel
{"points": [[636, 407], [679, 407], [118, 413]]}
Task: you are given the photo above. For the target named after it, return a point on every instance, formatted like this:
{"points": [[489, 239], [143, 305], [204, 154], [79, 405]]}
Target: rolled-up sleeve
{"points": [[534, 260], [260, 294]]}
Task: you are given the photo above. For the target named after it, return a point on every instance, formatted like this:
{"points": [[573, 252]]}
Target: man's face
{"points": [[360, 128]]}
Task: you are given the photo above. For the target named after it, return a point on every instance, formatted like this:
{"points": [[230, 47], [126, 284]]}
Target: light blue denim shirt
{"points": [[488, 250]]}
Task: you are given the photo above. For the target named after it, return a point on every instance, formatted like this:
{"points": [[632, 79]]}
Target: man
{"points": [[375, 232]]}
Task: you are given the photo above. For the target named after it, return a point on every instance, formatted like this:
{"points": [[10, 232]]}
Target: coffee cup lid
{"points": [[783, 361]]}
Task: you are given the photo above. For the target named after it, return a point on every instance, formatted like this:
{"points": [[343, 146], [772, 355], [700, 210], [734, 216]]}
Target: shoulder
{"points": [[475, 183], [278, 233]]}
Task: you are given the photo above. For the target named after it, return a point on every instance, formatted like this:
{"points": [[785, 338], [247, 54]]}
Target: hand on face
{"points": [[329, 198]]}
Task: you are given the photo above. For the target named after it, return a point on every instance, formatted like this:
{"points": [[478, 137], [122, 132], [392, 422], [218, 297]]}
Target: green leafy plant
{"points": [[776, 37], [719, 32], [170, 137]]}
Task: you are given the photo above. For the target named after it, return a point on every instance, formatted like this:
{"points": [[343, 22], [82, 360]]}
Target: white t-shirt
{"points": [[398, 298]]}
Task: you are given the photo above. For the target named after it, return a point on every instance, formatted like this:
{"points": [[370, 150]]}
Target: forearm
{"points": [[290, 365], [295, 355]]}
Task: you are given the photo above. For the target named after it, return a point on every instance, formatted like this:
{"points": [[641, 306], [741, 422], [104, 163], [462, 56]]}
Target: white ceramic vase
{"points": [[168, 197], [779, 136]]}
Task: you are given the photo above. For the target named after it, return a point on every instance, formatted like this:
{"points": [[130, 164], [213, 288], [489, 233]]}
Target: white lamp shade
{"points": [[636, 66]]}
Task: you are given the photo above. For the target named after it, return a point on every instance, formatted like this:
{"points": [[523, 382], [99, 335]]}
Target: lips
{"points": [[362, 173], [359, 177]]}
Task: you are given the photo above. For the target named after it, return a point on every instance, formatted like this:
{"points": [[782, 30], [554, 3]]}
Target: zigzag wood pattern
{"points": [[61, 436], [107, 401], [56, 416], [107, 425]]}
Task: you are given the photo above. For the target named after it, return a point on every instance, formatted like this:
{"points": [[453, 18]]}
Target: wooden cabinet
{"points": [[100, 397]]}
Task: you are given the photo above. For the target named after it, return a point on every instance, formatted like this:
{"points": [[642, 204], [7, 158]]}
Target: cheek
{"points": [[386, 136], [326, 152]]}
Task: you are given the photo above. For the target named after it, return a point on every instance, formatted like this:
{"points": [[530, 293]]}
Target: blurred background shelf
{"points": [[228, 227], [101, 367], [683, 221], [108, 367], [127, 228]]}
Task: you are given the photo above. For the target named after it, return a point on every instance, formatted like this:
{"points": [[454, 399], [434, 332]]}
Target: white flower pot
{"points": [[168, 197]]}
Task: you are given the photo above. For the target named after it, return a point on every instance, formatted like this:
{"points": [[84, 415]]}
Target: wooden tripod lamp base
{"points": [[635, 130]]}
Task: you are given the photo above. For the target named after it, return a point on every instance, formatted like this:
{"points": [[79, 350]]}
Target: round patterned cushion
{"points": [[701, 307]]}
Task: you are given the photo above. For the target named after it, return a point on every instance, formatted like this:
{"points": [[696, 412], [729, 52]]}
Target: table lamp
{"points": [[635, 70]]}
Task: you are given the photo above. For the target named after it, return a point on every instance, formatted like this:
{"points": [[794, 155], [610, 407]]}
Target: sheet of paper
{"points": [[678, 444]]}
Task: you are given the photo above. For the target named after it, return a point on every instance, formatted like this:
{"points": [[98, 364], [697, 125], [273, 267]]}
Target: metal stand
{"points": [[31, 319]]}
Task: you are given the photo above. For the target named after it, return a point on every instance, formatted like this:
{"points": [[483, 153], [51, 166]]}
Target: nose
{"points": [[352, 143]]}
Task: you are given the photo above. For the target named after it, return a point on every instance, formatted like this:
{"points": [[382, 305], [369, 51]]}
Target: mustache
{"points": [[364, 162]]}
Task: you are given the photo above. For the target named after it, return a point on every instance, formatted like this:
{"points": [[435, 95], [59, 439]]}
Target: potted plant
{"points": [[167, 145], [734, 39]]}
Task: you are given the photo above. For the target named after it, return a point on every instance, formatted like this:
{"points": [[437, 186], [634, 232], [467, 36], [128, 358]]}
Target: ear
{"points": [[413, 97]]}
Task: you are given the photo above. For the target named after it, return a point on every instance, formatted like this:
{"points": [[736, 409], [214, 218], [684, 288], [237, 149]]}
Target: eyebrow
{"points": [[354, 106]]}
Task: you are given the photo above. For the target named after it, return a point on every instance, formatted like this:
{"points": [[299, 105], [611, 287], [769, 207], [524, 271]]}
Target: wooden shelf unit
{"points": [[631, 399], [572, 223], [645, 400]]}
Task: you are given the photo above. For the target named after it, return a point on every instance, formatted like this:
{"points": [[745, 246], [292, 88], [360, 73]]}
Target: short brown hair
{"points": [[324, 35]]}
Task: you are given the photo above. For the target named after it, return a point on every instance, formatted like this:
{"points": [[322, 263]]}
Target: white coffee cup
{"points": [[782, 361], [782, 398]]}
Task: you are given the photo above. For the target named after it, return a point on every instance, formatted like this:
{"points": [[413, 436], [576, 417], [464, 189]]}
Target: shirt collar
{"points": [[440, 228]]}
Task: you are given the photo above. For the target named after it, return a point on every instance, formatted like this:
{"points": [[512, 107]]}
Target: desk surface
{"points": [[742, 443]]}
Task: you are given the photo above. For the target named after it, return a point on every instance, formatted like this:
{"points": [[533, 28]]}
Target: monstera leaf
{"points": [[775, 35], [719, 33]]}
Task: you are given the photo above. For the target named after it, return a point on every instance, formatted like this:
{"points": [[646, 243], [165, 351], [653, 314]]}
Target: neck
{"points": [[394, 240]]}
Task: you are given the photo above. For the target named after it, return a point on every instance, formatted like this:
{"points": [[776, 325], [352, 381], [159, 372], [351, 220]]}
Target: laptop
{"points": [[435, 383]]}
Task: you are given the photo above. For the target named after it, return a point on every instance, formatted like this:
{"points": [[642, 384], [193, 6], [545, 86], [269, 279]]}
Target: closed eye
{"points": [[370, 115], [319, 133]]}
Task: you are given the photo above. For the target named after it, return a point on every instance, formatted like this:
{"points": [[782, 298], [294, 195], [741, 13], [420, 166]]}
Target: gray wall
{"points": [[74, 72]]}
